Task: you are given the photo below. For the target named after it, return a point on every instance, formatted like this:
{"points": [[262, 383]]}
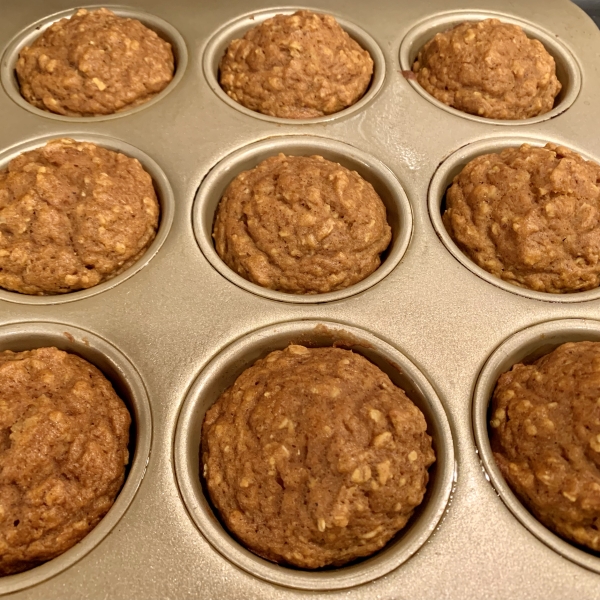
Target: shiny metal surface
{"points": [[178, 313]]}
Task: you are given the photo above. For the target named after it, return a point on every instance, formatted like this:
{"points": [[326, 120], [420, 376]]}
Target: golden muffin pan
{"points": [[174, 330]]}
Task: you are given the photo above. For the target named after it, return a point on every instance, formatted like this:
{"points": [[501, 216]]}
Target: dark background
{"points": [[591, 7]]}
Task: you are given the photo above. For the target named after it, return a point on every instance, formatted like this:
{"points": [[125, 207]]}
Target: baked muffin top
{"points": [[301, 224], [314, 457], [63, 450], [72, 214], [490, 69], [530, 216], [545, 434], [296, 67], [94, 63]]}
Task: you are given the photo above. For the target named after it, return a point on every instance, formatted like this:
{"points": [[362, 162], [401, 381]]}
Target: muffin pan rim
{"points": [[442, 179], [234, 358], [238, 26], [82, 342], [10, 55], [447, 19], [522, 344], [164, 194], [222, 173]]}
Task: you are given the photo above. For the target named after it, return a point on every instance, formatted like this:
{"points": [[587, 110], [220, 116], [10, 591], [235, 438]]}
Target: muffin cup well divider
{"points": [[222, 371], [568, 71], [129, 386], [442, 180], [398, 209], [27, 36], [164, 195], [527, 345]]}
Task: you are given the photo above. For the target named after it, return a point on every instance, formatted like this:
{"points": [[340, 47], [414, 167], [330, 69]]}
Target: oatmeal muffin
{"points": [[296, 66], [301, 224], [72, 214], [314, 457], [545, 434], [94, 63], [490, 69], [530, 216], [63, 451]]}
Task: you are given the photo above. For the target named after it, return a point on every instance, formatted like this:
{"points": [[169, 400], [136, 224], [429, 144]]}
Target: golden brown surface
{"points": [[490, 69], [313, 457], [94, 63], [545, 434], [303, 225], [530, 216], [72, 214], [63, 451], [296, 67]]}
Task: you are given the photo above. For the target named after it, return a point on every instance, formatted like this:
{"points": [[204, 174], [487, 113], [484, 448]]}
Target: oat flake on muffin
{"points": [[296, 67], [314, 457], [95, 63]]}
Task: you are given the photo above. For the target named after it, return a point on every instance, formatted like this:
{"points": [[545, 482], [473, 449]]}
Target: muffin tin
{"points": [[178, 328]]}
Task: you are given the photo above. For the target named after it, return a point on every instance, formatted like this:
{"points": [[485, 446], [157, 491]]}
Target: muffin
{"points": [[490, 69], [94, 63], [530, 216], [72, 214], [313, 457], [545, 435], [63, 450], [296, 67], [302, 225]]}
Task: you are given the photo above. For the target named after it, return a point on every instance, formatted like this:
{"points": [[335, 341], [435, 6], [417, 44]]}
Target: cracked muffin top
{"points": [[72, 215], [314, 457], [296, 67], [490, 69], [94, 63]]}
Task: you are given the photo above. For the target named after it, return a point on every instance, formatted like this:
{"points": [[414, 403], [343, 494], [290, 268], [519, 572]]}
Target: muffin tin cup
{"points": [[27, 36], [221, 373], [442, 180], [129, 386], [568, 71], [164, 194], [237, 28], [527, 345], [398, 208]]}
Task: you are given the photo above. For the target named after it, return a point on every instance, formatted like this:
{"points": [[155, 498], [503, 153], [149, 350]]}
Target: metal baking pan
{"points": [[175, 328]]}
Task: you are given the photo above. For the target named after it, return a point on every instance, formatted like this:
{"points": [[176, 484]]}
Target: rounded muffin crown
{"points": [[95, 63], [301, 224], [490, 69], [296, 67], [313, 457]]}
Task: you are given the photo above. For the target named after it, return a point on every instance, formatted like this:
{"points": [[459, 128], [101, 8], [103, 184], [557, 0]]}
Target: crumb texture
{"points": [[530, 216], [63, 451], [490, 69], [72, 215], [94, 63], [313, 457], [303, 225], [545, 434], [296, 67]]}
